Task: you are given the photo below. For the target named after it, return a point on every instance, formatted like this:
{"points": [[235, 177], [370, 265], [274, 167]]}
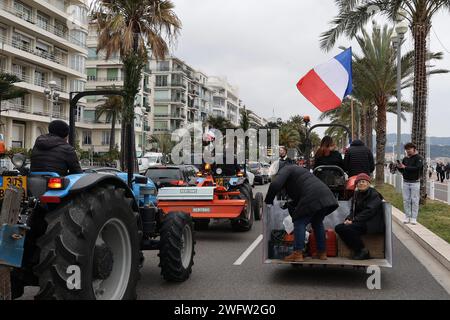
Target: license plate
{"points": [[18, 182], [219, 181]]}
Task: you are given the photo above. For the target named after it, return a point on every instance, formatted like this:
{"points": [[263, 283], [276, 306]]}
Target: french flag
{"points": [[328, 84]]}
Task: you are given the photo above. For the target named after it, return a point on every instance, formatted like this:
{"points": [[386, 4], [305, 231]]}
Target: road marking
{"points": [[249, 250]]}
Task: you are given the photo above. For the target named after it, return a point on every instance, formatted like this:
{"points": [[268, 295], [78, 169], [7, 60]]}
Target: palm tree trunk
{"points": [[122, 146], [362, 124], [112, 136], [369, 130], [381, 140], [419, 126]]}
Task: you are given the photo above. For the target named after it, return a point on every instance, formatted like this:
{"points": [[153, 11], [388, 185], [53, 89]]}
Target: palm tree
{"points": [[132, 28], [112, 108], [220, 123], [8, 90], [289, 136], [352, 17]]}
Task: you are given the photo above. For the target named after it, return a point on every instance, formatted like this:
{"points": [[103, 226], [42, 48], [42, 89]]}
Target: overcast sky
{"points": [[264, 47]]}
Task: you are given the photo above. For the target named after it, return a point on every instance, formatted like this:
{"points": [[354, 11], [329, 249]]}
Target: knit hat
{"points": [[59, 128], [362, 176]]}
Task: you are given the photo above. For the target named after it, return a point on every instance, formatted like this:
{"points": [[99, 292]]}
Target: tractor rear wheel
{"points": [[258, 206], [90, 250], [176, 253], [245, 221]]}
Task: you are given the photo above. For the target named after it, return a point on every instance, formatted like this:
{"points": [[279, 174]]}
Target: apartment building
{"points": [[225, 99], [182, 95], [106, 74], [255, 120], [43, 42]]}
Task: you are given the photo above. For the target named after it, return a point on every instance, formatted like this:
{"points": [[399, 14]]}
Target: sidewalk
{"points": [[436, 246]]}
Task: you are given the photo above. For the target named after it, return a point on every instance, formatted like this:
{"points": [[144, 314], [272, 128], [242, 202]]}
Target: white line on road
{"points": [[249, 250]]}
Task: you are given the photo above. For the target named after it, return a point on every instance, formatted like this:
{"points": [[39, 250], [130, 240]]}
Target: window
{"points": [[105, 137], [89, 115], [77, 37], [60, 82], [40, 78], [77, 85], [21, 42], [19, 71], [60, 29], [43, 49], [23, 11], [60, 55], [92, 53], [18, 135], [91, 74], [112, 74], [161, 81], [162, 95], [38, 105], [43, 21], [58, 111], [77, 63], [163, 66], [87, 138]]}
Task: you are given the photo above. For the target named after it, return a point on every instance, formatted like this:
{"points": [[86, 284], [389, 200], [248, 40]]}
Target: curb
{"points": [[435, 245]]}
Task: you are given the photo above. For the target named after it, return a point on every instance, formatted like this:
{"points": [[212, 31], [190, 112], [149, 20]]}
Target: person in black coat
{"points": [[366, 216], [358, 159], [310, 202], [52, 153], [326, 155], [284, 159]]}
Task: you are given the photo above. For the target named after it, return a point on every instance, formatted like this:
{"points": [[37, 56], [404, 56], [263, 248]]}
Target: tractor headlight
{"points": [[18, 160], [219, 171]]}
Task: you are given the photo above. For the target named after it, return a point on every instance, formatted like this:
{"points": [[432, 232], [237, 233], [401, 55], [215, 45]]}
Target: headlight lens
{"points": [[219, 171]]}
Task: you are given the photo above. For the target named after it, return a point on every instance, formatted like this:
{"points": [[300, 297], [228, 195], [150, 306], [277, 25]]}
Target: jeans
{"points": [[351, 235], [411, 198], [316, 221]]}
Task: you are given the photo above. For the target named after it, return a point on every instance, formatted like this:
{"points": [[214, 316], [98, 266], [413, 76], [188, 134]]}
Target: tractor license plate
{"points": [[18, 182]]}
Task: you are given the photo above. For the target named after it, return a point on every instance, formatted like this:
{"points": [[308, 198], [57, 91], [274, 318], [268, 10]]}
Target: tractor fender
{"points": [[89, 181], [83, 182]]}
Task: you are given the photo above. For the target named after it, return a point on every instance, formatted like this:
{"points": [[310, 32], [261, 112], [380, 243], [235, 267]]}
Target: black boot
{"points": [[361, 255]]}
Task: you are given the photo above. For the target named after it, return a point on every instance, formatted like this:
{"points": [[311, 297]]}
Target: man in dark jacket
{"points": [[411, 168], [284, 159], [311, 201], [358, 159], [52, 153], [366, 216]]}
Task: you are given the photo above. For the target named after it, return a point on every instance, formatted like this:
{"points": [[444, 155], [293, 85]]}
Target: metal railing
{"points": [[10, 106], [102, 79], [47, 26], [435, 190]]}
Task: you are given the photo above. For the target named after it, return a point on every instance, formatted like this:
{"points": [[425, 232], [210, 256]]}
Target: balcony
{"points": [[102, 79], [27, 48], [47, 27], [9, 106], [178, 84]]}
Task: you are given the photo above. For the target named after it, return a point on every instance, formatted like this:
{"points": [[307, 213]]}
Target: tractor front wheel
{"points": [[176, 253]]}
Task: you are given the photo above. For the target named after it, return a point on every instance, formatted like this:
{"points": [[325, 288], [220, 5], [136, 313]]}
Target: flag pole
{"points": [[351, 107]]}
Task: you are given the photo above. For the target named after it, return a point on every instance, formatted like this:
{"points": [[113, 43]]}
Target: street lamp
{"points": [[52, 96], [397, 38]]}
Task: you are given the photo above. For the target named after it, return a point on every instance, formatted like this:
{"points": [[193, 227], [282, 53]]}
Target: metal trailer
{"points": [[273, 220]]}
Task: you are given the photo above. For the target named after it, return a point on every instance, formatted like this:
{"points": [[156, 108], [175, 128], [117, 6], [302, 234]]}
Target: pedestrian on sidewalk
{"points": [[411, 169], [447, 171]]}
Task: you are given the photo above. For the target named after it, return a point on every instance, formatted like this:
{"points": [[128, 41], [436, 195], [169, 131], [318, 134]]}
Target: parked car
{"points": [[261, 174], [154, 158], [265, 170], [172, 176], [143, 164]]}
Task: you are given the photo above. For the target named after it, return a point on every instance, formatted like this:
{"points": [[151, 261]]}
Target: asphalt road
{"points": [[215, 276]]}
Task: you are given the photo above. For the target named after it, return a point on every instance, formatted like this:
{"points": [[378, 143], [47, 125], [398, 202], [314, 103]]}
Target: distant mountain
{"points": [[392, 138]]}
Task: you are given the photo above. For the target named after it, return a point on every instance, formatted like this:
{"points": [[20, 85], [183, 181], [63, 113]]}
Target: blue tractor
{"points": [[81, 236]]}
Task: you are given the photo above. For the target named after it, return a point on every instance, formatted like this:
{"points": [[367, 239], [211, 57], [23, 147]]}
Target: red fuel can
{"points": [[331, 243]]}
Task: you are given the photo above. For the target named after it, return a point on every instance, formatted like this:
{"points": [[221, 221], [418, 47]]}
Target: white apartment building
{"points": [[41, 41], [94, 132], [182, 95], [255, 120], [225, 99]]}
